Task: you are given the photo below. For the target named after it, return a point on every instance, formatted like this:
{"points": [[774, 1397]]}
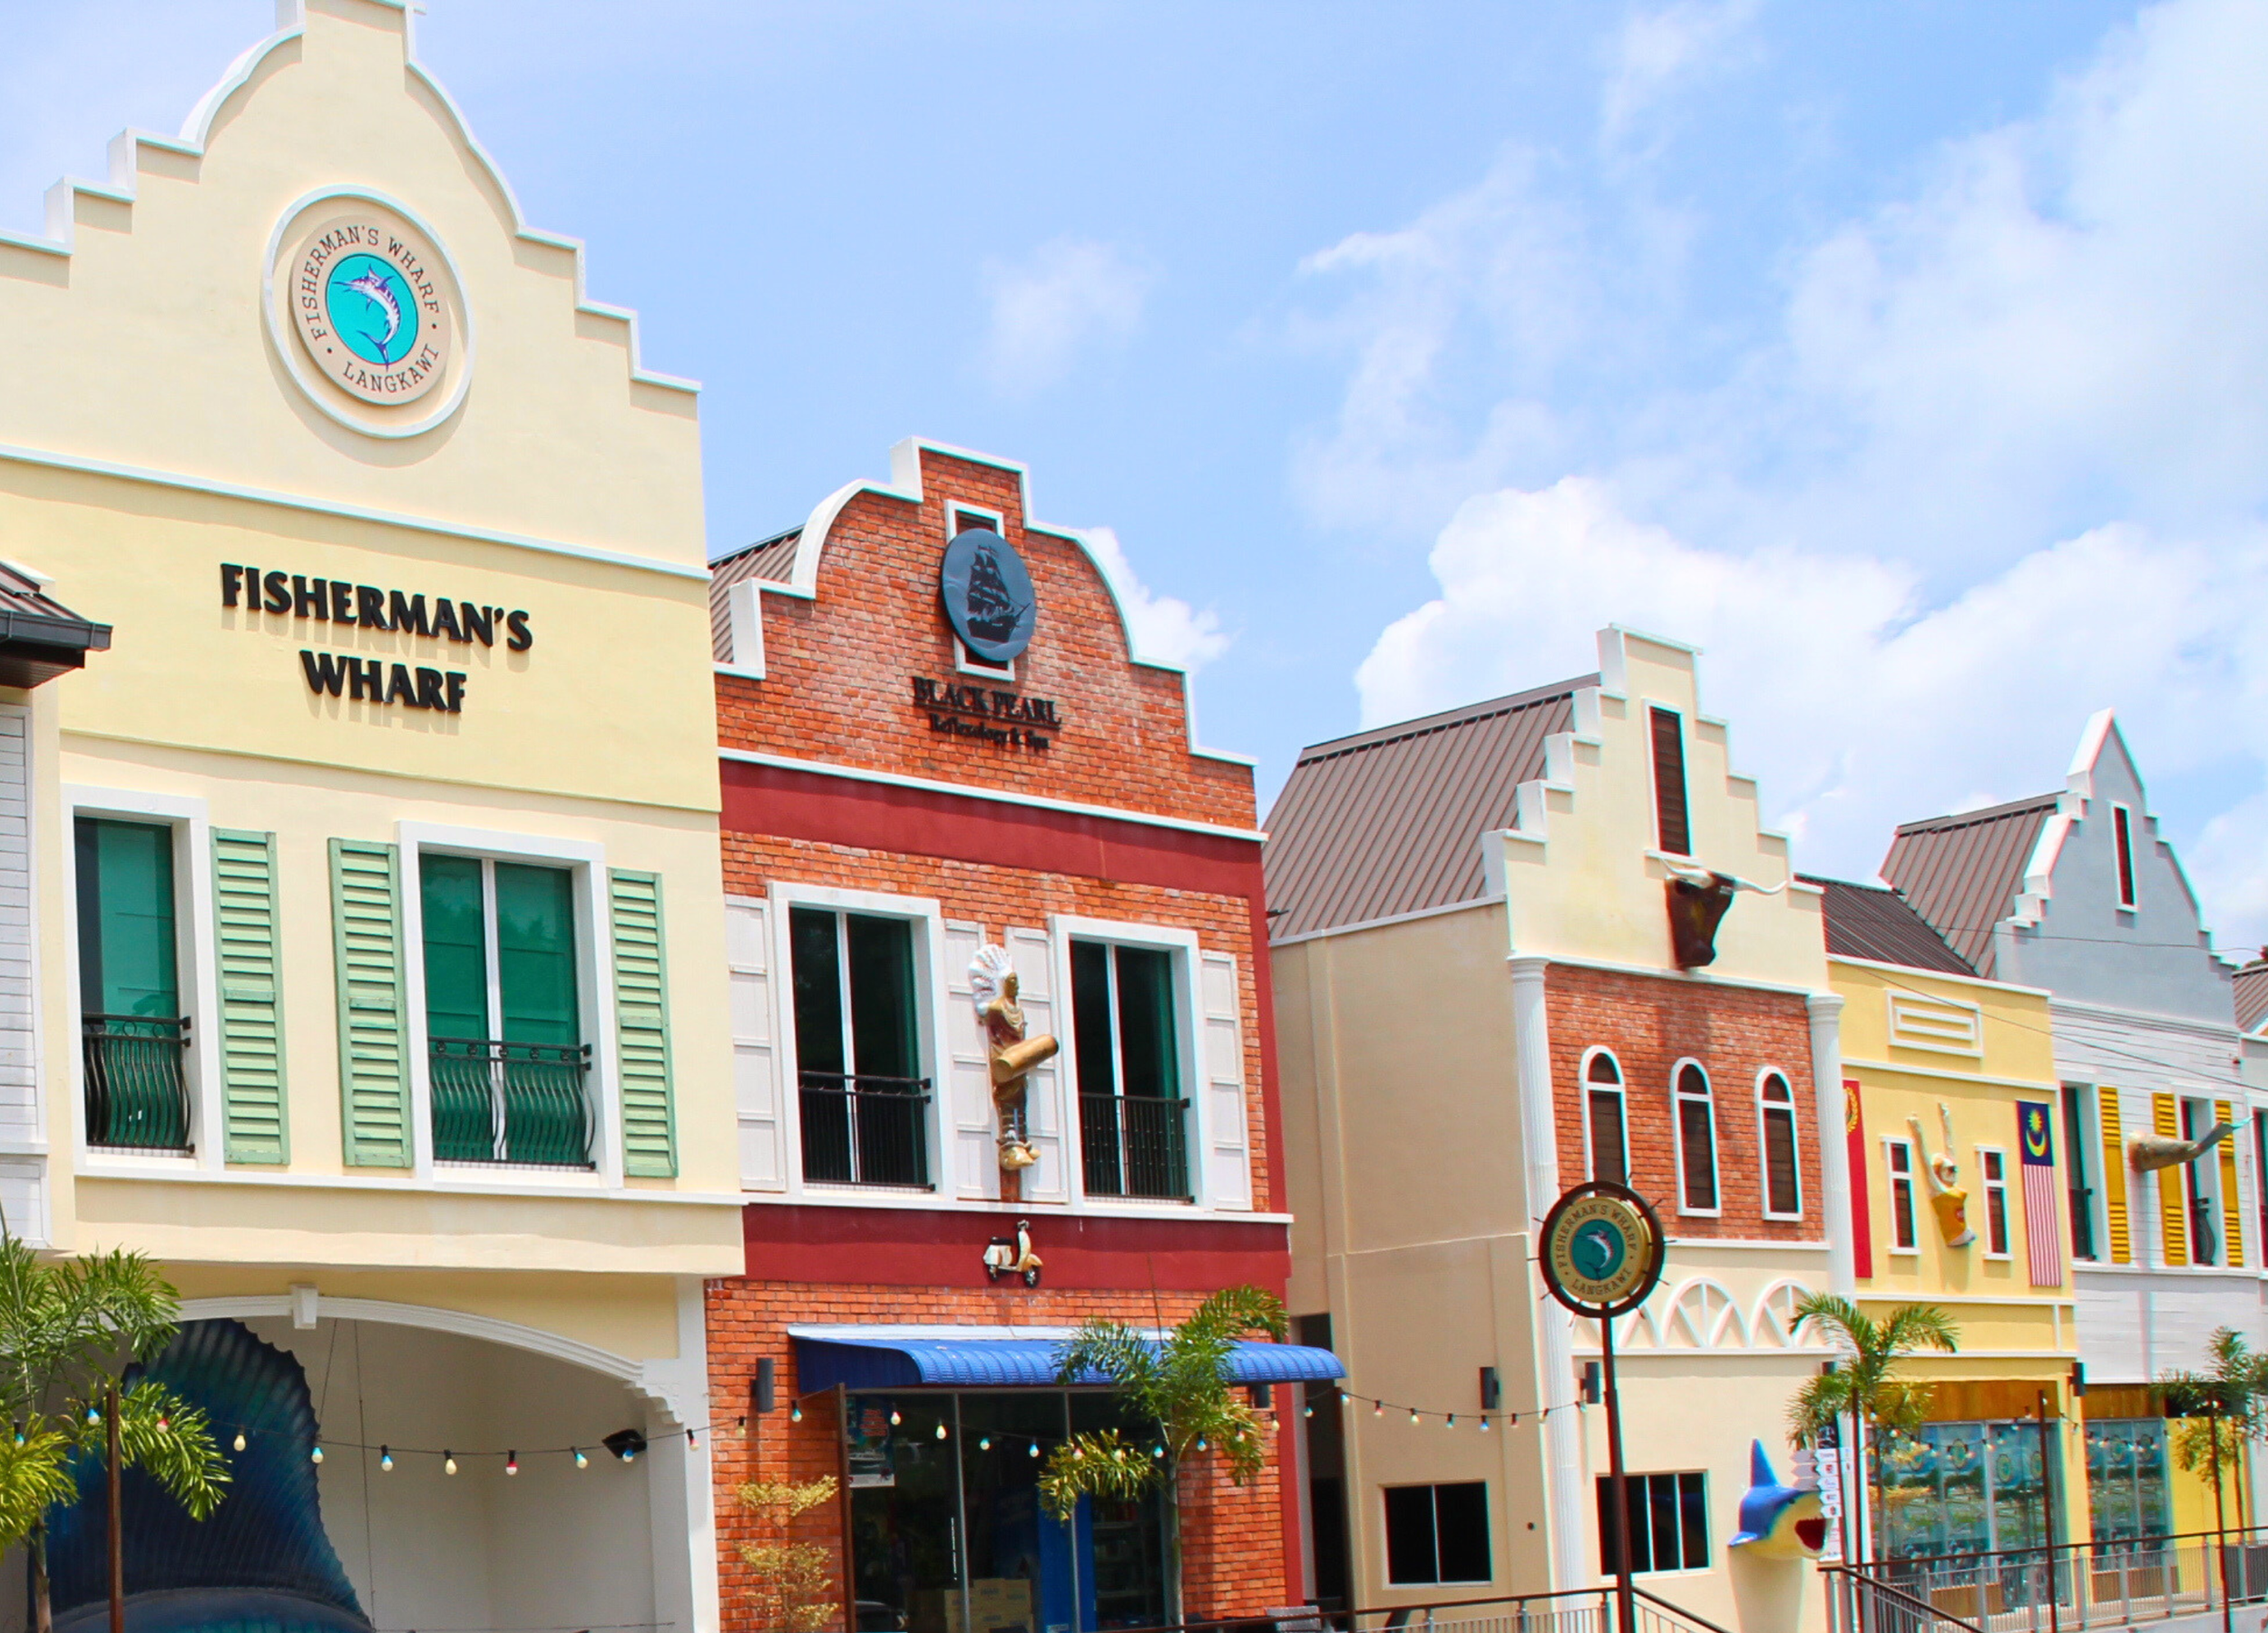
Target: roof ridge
{"points": [[734, 555], [1958, 819], [1462, 715]]}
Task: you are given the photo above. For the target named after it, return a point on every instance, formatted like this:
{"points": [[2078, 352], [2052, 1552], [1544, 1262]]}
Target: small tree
{"points": [[795, 1590], [1867, 1387], [2228, 1394], [1180, 1386], [68, 1331]]}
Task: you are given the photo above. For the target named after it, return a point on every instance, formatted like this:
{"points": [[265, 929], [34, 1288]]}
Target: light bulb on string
{"points": [[386, 1459], [894, 1419], [93, 1415], [1158, 1451], [1453, 1419], [1414, 1417], [511, 1463], [315, 1455], [240, 1440], [448, 1463], [1200, 1444], [692, 1440], [795, 1412], [984, 1442], [1306, 1411], [1484, 1423], [582, 1460], [1035, 1450], [1378, 1409], [165, 1424], [941, 1429]]}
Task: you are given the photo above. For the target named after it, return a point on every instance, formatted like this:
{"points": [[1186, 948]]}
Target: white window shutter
{"points": [[1227, 1156], [968, 1074], [1046, 1180], [755, 1074]]}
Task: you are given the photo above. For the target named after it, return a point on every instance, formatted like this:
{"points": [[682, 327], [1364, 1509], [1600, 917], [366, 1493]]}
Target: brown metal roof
{"points": [[1962, 873], [1389, 821], [2251, 993], [40, 638], [1865, 921], [773, 558]]}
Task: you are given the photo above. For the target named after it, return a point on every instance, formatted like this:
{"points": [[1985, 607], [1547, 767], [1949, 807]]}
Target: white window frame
{"points": [[1987, 1188], [1764, 1146], [2125, 878], [1385, 1559], [2207, 1168], [926, 915], [2084, 1144], [1894, 1146], [586, 864], [1064, 928], [196, 955], [1677, 1100], [1653, 780], [1584, 1087], [957, 516]]}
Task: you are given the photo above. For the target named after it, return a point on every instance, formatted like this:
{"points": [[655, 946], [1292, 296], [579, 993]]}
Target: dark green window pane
{"points": [[535, 954], [1090, 1017], [1146, 1031], [456, 948], [818, 991], [882, 996], [126, 946]]}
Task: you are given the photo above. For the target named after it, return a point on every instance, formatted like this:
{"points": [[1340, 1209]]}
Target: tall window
{"points": [[1903, 1235], [1437, 1533], [1668, 1522], [135, 1035], [1993, 1166], [2260, 1176], [1131, 1113], [1696, 1141], [1603, 1120], [2122, 839], [2200, 1186], [1671, 827], [2074, 1157], [1783, 1177], [503, 1017], [865, 1102]]}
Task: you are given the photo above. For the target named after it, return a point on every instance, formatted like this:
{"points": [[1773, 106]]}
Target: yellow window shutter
{"points": [[2165, 1113], [2114, 1177], [2231, 1215]]}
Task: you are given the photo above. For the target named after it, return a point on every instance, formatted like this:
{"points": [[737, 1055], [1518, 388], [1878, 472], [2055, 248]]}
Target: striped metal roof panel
{"points": [[773, 558], [1962, 873], [1865, 921], [1388, 821], [2251, 985]]}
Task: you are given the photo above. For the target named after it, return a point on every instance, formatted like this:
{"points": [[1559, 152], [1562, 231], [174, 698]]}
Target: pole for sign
{"points": [[2048, 1513], [118, 1522], [1625, 1600], [842, 1507]]}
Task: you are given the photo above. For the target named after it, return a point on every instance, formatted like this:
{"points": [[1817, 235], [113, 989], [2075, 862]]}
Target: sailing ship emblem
{"points": [[988, 595]]}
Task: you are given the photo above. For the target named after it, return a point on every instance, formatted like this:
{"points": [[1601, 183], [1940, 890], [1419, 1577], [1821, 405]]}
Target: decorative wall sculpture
{"points": [[1012, 1055], [2145, 1152], [1948, 1200], [1779, 1522]]}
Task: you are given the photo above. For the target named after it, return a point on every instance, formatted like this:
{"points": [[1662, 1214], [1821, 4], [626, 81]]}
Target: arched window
{"points": [[1696, 1141], [1782, 1174], [1605, 1132]]}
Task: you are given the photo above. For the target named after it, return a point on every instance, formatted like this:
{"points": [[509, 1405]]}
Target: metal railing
{"points": [[1134, 1146], [2082, 1199], [862, 1130], [1858, 1602], [1569, 1610], [137, 1081], [521, 1103], [2075, 1585]]}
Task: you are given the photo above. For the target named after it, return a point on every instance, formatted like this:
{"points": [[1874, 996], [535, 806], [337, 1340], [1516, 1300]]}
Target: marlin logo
{"points": [[375, 287], [1779, 1522]]}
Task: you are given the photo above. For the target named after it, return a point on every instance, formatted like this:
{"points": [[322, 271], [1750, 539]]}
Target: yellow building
{"points": [[364, 928]]}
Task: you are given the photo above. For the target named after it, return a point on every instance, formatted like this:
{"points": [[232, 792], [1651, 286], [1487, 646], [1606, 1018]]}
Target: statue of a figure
{"points": [[1948, 1200], [993, 981]]}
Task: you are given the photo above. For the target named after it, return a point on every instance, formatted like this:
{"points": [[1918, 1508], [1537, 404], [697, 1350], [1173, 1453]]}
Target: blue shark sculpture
{"points": [[1779, 1522]]}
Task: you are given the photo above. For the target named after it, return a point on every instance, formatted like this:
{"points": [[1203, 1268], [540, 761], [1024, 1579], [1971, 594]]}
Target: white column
{"points": [[1834, 1140], [1555, 1381], [681, 1496]]}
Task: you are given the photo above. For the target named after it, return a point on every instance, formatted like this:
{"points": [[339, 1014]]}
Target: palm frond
{"points": [[1913, 1326], [1099, 1463]]}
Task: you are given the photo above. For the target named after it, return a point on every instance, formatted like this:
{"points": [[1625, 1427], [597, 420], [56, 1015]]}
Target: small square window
{"points": [[1668, 1522], [1437, 1533]]}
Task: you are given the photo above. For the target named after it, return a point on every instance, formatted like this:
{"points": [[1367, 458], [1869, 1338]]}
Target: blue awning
{"points": [[939, 1360]]}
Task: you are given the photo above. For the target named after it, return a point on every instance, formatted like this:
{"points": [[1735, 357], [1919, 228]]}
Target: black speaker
{"points": [[760, 1393], [1492, 1391]]}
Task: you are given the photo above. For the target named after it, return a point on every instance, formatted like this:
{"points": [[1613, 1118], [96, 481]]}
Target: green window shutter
{"points": [[456, 946], [641, 1024], [251, 1009], [373, 1022], [535, 955]]}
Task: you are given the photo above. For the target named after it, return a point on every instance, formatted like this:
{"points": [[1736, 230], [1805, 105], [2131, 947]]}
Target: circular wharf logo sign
{"points": [[1602, 1249], [988, 595], [373, 308]]}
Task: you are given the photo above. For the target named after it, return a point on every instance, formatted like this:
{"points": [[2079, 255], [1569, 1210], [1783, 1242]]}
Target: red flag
{"points": [[2043, 1220]]}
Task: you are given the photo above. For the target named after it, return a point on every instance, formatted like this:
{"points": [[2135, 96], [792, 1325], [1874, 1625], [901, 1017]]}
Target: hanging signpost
{"points": [[1601, 1249]]}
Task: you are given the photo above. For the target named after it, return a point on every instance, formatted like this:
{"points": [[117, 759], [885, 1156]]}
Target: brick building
{"points": [[943, 758]]}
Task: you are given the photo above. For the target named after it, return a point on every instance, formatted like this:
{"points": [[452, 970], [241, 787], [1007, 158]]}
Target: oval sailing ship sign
{"points": [[988, 595], [1601, 1249]]}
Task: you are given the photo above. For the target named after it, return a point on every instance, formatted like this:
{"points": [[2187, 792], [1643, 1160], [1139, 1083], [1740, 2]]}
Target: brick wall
{"points": [[839, 669], [1232, 1537], [1652, 1023]]}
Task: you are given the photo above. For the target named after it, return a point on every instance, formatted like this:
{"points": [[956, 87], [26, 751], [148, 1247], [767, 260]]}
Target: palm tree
{"points": [[1178, 1386], [1867, 1386], [68, 1330], [2229, 1393]]}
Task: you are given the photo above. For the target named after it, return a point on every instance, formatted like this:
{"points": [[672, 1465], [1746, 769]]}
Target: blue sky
{"points": [[1907, 357]]}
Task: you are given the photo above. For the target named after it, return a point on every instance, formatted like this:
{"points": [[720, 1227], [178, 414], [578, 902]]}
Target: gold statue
{"points": [[1948, 1200], [993, 981]]}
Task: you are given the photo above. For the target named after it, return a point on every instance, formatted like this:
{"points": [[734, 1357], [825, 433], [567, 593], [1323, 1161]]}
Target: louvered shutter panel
{"points": [[251, 1013], [1045, 1180], [2232, 1208], [2114, 1177], [373, 1011], [1229, 1159], [641, 1024], [968, 1072], [2165, 1117], [755, 1048]]}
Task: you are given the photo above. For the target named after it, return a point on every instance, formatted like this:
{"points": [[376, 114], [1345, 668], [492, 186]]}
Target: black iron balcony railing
{"points": [[865, 1129], [2082, 1221], [521, 1103], [137, 1084], [2205, 1233], [1134, 1146]]}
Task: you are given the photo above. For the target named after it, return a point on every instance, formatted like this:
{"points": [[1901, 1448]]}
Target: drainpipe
{"points": [[1532, 1046], [1835, 1144]]}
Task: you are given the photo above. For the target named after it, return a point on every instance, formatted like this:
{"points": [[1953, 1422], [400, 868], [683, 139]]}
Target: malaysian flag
{"points": [[2043, 1228]]}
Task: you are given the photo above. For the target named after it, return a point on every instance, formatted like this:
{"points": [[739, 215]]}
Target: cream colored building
{"points": [[1480, 1004], [374, 932]]}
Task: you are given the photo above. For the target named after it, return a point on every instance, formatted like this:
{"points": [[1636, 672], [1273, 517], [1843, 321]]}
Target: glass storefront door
{"points": [[2126, 1479], [1959, 1489], [948, 1534]]}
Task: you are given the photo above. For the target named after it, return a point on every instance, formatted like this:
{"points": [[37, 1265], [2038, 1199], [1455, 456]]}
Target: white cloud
{"points": [[1661, 51], [1164, 629], [1070, 296]]}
